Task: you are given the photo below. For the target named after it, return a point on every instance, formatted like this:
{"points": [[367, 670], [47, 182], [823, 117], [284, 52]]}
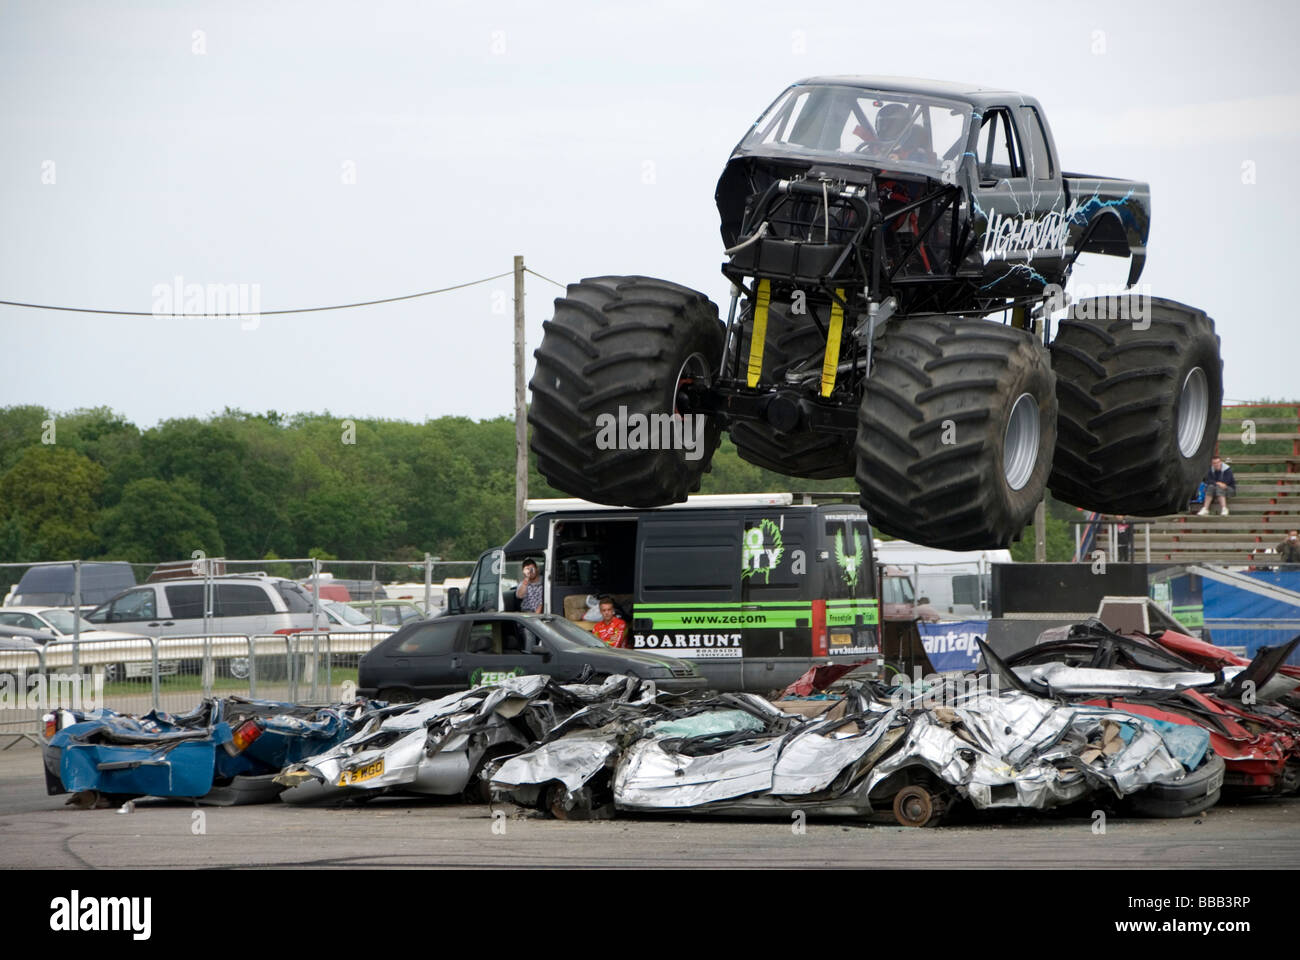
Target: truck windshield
{"points": [[900, 130]]}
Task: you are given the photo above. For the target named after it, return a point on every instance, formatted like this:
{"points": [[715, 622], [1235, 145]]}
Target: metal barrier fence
{"points": [[173, 674], [1245, 637]]}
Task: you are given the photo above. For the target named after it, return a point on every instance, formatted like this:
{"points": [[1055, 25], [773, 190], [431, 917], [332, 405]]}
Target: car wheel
{"points": [[395, 695], [239, 668], [917, 806]]}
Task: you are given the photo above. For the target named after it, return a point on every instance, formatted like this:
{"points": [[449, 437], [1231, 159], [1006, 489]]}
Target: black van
{"points": [[753, 589], [53, 584]]}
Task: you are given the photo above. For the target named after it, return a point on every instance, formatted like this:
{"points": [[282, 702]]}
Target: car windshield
{"points": [[853, 123], [346, 614], [566, 634], [63, 621]]}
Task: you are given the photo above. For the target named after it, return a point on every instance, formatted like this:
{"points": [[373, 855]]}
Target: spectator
{"points": [[924, 611], [1289, 549], [610, 629], [530, 592], [1219, 483]]}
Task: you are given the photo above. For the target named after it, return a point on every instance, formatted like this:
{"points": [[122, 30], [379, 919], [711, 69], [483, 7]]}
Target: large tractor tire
{"points": [[614, 355], [790, 340], [955, 432], [1139, 408]]}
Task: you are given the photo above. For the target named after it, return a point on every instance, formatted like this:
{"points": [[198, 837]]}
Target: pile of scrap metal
{"points": [[1249, 708], [440, 747], [226, 752], [738, 754]]}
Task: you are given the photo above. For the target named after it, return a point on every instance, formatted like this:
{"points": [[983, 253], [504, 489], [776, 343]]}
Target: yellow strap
{"points": [[760, 332], [832, 344]]}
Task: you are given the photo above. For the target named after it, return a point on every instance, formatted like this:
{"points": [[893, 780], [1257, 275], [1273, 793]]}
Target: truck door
{"points": [[1025, 223], [483, 594]]}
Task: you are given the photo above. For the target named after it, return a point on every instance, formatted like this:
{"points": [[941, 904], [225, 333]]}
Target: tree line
{"points": [[91, 484]]}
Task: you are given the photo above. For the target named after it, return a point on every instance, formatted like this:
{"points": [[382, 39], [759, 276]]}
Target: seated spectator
{"points": [[611, 630], [1289, 549], [1220, 484]]}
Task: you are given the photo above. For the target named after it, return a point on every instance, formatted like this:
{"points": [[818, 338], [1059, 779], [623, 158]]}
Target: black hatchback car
{"points": [[431, 658]]}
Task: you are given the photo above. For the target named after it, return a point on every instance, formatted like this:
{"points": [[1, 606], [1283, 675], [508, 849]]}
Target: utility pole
{"points": [[521, 414], [1040, 532]]}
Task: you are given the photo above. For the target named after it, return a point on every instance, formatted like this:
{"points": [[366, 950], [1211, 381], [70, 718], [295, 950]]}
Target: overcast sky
{"points": [[213, 141]]}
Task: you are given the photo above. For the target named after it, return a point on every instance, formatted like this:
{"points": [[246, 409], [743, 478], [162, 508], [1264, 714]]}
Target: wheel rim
{"points": [[1020, 446], [693, 368], [913, 807], [1193, 412]]}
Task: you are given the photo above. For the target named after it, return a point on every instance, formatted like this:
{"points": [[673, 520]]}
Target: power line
{"points": [[547, 279], [261, 313]]}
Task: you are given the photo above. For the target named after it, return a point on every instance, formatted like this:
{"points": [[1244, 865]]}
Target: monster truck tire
{"points": [[1139, 409], [801, 454], [1195, 793], [621, 342], [955, 432]]}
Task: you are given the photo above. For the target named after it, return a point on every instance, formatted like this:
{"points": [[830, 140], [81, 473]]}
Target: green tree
{"points": [[50, 494], [158, 520]]}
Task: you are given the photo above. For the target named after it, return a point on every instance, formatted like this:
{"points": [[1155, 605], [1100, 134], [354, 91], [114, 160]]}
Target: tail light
{"points": [[245, 734], [819, 645], [51, 722]]}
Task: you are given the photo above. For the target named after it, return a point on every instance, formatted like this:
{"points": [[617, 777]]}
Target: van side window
{"points": [[136, 605], [243, 600], [185, 601], [296, 599], [771, 548]]}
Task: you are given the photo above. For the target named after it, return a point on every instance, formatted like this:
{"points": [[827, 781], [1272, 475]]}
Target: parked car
{"points": [[53, 585], [394, 613], [55, 623], [242, 605], [453, 653], [345, 618]]}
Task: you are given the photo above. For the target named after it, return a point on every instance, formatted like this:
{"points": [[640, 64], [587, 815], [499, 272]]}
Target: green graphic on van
{"points": [[761, 543], [485, 678], [850, 564]]}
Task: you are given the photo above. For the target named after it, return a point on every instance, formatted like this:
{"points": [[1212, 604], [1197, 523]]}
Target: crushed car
{"points": [[439, 747], [225, 752], [1248, 708], [738, 754]]}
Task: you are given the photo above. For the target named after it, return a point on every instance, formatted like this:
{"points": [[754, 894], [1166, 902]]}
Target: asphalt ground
{"points": [[40, 831]]}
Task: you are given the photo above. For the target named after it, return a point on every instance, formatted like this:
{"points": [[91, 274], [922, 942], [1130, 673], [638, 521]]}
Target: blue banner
{"points": [[951, 646]]}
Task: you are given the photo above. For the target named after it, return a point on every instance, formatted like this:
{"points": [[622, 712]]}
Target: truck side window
{"points": [[999, 153], [1032, 123]]}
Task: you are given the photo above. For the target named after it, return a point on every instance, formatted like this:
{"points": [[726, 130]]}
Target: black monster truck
{"points": [[897, 251]]}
